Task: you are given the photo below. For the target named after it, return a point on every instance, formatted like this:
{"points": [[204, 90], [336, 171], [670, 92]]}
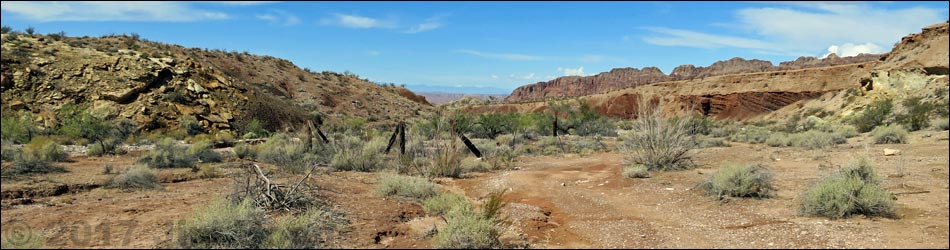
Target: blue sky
{"points": [[494, 47]]}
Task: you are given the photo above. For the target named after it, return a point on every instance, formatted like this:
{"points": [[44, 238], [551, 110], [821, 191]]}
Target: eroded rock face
{"points": [[621, 78], [927, 50]]}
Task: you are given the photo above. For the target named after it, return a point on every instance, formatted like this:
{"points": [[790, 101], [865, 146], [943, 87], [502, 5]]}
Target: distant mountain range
{"points": [[442, 98], [459, 89]]}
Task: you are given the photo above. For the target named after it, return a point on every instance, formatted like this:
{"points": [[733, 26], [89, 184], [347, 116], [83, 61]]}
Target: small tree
{"points": [[30, 30], [659, 143]]}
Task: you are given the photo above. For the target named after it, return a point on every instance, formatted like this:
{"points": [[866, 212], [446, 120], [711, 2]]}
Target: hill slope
{"points": [[156, 84]]}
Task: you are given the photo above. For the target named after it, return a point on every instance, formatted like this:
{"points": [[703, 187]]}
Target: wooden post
{"points": [[402, 138]]}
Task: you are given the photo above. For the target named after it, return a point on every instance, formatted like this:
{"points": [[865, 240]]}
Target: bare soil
{"points": [[565, 201]]}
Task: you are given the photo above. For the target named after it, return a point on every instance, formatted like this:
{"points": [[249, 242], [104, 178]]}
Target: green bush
{"points": [[551, 145], [17, 127], [355, 155], [136, 178], [224, 225], [873, 115], [284, 152], [103, 148], [587, 145], [916, 115], [636, 171], [44, 148], [310, 230], [846, 131], [778, 139], [202, 151], [245, 151], [942, 124], [467, 228], [891, 134], [813, 139], [168, 154], [753, 180], [704, 141], [208, 172], [472, 164], [27, 164], [446, 162], [8, 152], [191, 125], [25, 238], [406, 186], [750, 134], [855, 189], [444, 202], [601, 126]]}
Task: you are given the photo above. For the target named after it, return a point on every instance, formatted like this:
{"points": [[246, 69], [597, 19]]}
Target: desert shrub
{"points": [[76, 122], [636, 171], [891, 134], [778, 139], [753, 180], [704, 141], [659, 143], [724, 130], [190, 124], [700, 125], [852, 190], [309, 230], [224, 225], [750, 134], [284, 152], [7, 151], [208, 171], [202, 151], [846, 131], [27, 164], [245, 151], [17, 127], [104, 147], [872, 116], [446, 161], [492, 124], [353, 154], [588, 145], [550, 145], [472, 164], [942, 124], [136, 178], [916, 113], [44, 148], [168, 154], [444, 202], [406, 186], [813, 139], [600, 126], [813, 122], [468, 228], [22, 239]]}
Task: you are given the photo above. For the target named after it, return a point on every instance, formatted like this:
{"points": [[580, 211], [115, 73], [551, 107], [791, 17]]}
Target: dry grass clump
{"points": [[224, 225], [890, 134], [636, 171], [406, 186], [137, 177], [754, 180], [855, 189], [659, 143]]}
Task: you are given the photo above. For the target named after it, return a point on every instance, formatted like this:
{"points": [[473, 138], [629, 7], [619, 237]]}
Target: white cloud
{"points": [[494, 77], [279, 17], [505, 56], [807, 28], [850, 49], [571, 72], [429, 24], [358, 22], [110, 11]]}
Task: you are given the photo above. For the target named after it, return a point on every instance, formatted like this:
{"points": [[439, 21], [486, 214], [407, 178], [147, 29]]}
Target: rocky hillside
{"points": [[443, 98], [621, 78], [916, 66], [156, 84]]}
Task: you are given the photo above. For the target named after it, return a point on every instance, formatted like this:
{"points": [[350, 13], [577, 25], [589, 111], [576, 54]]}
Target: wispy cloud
{"points": [[279, 17], [110, 11], [504, 56], [807, 28], [372, 53], [243, 3], [357, 22], [429, 24]]}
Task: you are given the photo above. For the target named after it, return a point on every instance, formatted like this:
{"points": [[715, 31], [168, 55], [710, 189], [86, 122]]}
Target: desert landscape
{"points": [[118, 141]]}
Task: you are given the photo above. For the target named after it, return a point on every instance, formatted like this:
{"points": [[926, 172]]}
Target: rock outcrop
{"points": [[620, 78], [155, 85]]}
